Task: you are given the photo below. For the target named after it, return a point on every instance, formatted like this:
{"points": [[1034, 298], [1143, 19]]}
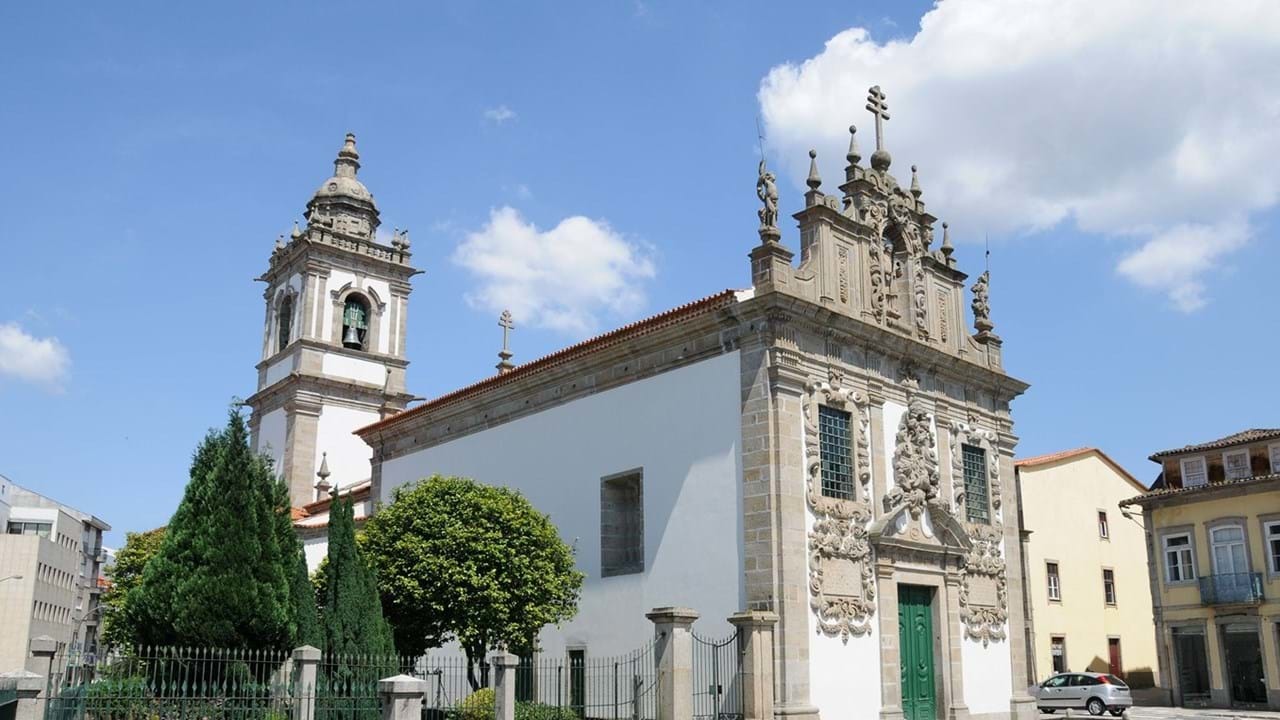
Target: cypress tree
{"points": [[351, 619], [304, 627], [218, 579]]}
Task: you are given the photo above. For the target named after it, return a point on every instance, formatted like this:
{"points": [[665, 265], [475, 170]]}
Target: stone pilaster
{"points": [[879, 468], [953, 653], [1021, 705], [890, 648], [302, 427]]}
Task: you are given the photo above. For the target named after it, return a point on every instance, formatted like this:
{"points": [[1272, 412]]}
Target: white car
{"points": [[1096, 692]]}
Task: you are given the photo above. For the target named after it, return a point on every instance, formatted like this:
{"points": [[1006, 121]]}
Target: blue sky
{"points": [[153, 152]]}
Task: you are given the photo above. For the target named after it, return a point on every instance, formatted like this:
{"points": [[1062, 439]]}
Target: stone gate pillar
{"points": [[755, 635], [673, 656]]}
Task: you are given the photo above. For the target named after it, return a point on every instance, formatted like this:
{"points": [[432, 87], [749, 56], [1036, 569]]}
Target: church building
{"points": [[831, 444]]}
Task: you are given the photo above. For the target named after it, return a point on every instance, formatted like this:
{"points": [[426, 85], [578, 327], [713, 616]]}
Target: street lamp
{"points": [[11, 577]]}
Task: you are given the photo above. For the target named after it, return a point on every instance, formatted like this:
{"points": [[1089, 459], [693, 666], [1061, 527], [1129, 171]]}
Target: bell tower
{"points": [[333, 335]]}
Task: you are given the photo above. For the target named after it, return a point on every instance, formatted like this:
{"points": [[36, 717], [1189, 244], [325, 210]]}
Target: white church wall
{"points": [[315, 549], [683, 428], [988, 675], [280, 369], [271, 437], [348, 454], [365, 371]]}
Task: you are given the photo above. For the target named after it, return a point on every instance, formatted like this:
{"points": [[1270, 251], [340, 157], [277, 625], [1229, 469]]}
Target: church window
{"points": [[284, 322], [622, 524], [355, 323], [975, 484], [835, 451]]}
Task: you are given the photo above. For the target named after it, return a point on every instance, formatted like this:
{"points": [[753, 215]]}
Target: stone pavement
{"points": [[1169, 713]]}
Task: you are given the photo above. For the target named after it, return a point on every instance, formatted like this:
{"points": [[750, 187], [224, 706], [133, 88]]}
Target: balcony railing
{"points": [[1231, 589]]}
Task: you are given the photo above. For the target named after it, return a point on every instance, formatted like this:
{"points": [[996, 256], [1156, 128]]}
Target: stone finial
{"points": [[504, 355], [323, 486], [348, 161], [279, 243], [767, 191], [854, 156], [297, 232], [880, 159], [947, 247], [915, 183], [981, 304], [814, 181]]}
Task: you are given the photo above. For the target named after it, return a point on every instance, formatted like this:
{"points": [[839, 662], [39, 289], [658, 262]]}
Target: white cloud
{"points": [[43, 361], [1137, 119], [500, 114], [1174, 259], [563, 278]]}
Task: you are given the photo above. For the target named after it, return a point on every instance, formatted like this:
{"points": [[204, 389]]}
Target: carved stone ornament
{"points": [[921, 302], [965, 433], [842, 590], [876, 216], [984, 587], [915, 462], [981, 304]]}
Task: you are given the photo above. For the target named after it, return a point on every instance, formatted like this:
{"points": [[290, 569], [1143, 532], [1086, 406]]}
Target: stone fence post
{"points": [[29, 686], [673, 657], [305, 661], [755, 635], [504, 685], [46, 648], [402, 697]]}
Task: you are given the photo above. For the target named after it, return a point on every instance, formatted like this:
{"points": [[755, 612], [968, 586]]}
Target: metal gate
{"points": [[717, 678]]}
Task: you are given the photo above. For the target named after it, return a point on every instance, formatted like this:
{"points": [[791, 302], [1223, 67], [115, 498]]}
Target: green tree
{"points": [[220, 578], [458, 560], [351, 614], [118, 628], [304, 626]]}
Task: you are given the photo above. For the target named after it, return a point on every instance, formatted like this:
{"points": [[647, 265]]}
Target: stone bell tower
{"points": [[333, 335]]}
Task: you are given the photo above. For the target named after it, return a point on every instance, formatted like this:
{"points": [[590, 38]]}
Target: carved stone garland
{"points": [[915, 463], [984, 589], [842, 590]]}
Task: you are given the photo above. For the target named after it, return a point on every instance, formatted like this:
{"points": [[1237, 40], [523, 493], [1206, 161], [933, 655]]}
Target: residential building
{"points": [[51, 557], [831, 444], [1086, 568], [1213, 542]]}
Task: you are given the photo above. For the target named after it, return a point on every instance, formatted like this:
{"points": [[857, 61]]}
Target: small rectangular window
{"points": [[1274, 452], [1273, 545], [836, 451], [622, 524], [1109, 586], [1193, 473], [1058, 651], [975, 484], [1236, 463], [1178, 562], [1055, 583], [1104, 530]]}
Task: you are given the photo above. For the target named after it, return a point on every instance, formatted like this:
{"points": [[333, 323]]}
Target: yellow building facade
{"points": [[1214, 544], [1087, 581]]}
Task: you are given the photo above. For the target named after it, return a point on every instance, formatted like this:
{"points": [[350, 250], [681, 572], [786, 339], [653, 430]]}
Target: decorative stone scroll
{"points": [[880, 263], [841, 580], [915, 463], [984, 588], [921, 302], [965, 433]]}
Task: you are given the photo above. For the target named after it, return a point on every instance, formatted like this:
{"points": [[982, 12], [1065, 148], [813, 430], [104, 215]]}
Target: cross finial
{"points": [[880, 109], [504, 355]]}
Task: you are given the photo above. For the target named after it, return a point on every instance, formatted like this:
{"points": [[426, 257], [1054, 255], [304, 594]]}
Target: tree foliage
{"points": [[304, 625], [221, 577], [458, 560], [351, 612], [118, 618]]}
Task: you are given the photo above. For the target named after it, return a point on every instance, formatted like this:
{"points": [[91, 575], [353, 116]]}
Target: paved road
{"points": [[1164, 713]]}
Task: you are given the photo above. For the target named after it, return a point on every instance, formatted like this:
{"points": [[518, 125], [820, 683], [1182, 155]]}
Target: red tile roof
{"points": [[626, 332], [1068, 454], [1166, 492], [1244, 436]]}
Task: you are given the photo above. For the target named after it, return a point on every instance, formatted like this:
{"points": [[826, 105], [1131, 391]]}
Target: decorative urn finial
{"points": [[947, 247], [322, 486], [854, 156], [814, 181], [297, 233], [915, 183]]}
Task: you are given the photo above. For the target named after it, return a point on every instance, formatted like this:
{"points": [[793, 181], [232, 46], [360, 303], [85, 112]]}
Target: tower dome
{"points": [[342, 202]]}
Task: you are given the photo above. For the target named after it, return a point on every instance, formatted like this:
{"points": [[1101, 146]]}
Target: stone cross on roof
{"points": [[878, 107], [504, 355]]}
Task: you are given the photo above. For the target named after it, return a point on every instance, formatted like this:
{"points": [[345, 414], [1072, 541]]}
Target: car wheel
{"points": [[1047, 711], [1118, 712], [1095, 706]]}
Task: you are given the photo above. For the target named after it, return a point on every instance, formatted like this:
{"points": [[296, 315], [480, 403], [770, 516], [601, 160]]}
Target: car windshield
{"points": [[1116, 681]]}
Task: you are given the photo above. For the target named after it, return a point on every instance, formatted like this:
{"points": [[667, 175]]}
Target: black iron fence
{"points": [[717, 677]]}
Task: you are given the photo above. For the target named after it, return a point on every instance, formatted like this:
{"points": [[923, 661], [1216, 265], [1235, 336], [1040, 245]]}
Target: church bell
{"points": [[351, 338]]}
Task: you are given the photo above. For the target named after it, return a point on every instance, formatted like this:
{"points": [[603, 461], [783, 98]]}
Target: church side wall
{"points": [[683, 427], [271, 438], [348, 454]]}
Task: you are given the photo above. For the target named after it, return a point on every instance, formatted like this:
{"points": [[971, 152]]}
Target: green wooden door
{"points": [[915, 633]]}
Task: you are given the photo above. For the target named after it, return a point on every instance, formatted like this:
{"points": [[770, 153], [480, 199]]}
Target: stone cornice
{"points": [[300, 388], [313, 344], [305, 254]]}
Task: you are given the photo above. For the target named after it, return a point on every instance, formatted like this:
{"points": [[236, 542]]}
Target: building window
{"points": [[1109, 586], [1055, 582], [622, 524], [1104, 530], [355, 323], [1273, 545], [1236, 463], [284, 322], [975, 484], [1193, 472], [1274, 452], [43, 529], [1229, 556], [578, 682], [1179, 563], [836, 452], [1058, 651]]}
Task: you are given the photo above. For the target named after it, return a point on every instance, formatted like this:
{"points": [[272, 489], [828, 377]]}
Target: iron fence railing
{"points": [[717, 677], [1231, 588]]}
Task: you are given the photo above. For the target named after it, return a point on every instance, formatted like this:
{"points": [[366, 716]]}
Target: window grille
{"points": [[975, 484], [835, 450]]}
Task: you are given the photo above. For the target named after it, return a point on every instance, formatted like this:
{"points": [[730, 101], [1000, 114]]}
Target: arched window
{"points": [[284, 321], [355, 323]]}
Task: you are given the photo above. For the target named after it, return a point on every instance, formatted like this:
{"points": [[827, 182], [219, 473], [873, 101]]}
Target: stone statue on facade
{"points": [[982, 303], [767, 191], [915, 463]]}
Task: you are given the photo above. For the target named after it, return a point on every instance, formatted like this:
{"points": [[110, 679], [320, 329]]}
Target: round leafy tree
{"points": [[458, 560], [118, 627]]}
